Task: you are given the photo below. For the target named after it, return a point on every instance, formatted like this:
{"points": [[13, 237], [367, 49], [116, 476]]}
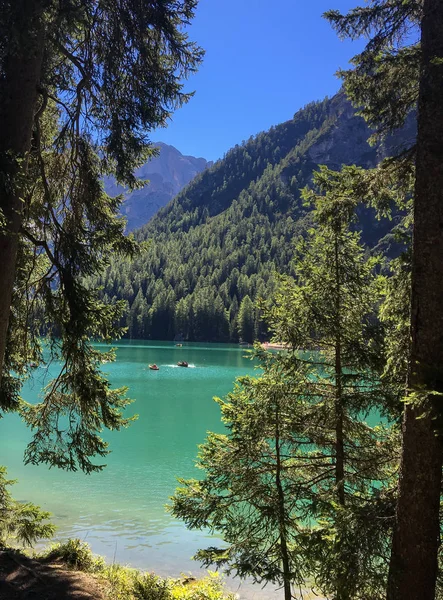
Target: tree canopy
{"points": [[82, 85]]}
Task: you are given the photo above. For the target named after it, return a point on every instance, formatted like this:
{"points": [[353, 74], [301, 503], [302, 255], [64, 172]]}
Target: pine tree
{"points": [[75, 104], [249, 494], [393, 75], [300, 477], [245, 320], [331, 308]]}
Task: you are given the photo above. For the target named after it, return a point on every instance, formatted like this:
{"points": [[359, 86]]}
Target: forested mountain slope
{"points": [[217, 246]]}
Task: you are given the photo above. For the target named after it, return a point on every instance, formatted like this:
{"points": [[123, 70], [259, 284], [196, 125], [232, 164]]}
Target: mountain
{"points": [[168, 173], [217, 246]]}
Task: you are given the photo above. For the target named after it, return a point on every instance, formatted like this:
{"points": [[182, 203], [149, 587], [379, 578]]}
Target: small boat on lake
{"points": [[154, 368], [182, 363], [179, 345]]}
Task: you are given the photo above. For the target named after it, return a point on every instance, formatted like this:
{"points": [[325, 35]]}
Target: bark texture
{"points": [[413, 566], [339, 409], [342, 592], [281, 512], [20, 76]]}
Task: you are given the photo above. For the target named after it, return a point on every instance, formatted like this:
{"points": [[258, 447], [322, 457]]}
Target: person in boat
{"points": [[182, 363], [154, 367]]}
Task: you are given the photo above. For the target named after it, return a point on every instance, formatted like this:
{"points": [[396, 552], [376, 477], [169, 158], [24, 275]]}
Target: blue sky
{"points": [[264, 60]]}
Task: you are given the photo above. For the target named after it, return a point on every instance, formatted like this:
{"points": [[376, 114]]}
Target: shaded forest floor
{"points": [[23, 578]]}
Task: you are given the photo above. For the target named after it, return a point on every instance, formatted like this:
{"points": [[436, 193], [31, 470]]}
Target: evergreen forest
{"points": [[218, 247]]}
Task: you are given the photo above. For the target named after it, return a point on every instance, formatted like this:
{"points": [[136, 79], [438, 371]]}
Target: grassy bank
{"points": [[71, 566], [121, 582]]}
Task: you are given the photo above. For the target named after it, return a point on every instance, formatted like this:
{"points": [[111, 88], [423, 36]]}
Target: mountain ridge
{"points": [[166, 173], [218, 245]]}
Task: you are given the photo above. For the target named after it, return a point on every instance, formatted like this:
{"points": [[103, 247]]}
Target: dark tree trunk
{"points": [[413, 567], [342, 582], [281, 511], [339, 409], [18, 97], [339, 441]]}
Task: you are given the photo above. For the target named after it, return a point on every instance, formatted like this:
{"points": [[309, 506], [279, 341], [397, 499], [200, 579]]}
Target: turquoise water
{"points": [[120, 511]]}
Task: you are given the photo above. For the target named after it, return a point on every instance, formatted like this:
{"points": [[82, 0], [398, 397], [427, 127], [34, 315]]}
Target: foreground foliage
{"points": [[20, 522], [82, 85], [124, 583]]}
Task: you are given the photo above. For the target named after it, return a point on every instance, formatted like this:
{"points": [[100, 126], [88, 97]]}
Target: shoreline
{"points": [[275, 346], [101, 579]]}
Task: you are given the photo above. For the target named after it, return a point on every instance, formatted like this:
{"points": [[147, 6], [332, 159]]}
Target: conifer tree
{"points": [[298, 433], [21, 522], [245, 320], [250, 491], [82, 85], [331, 307], [394, 74]]}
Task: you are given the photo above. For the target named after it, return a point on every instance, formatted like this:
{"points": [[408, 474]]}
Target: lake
{"points": [[120, 511]]}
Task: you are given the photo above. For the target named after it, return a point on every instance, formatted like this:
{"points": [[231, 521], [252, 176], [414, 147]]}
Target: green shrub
{"points": [[77, 555], [208, 588], [150, 587]]}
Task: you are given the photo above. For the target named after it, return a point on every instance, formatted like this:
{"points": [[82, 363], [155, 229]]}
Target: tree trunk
{"points": [[18, 97], [281, 511], [342, 583], [339, 411], [413, 567]]}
